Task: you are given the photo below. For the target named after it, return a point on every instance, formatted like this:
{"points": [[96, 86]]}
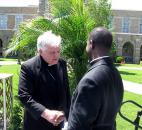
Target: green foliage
{"points": [[16, 122], [74, 29], [100, 11], [119, 59], [75, 26], [71, 76], [60, 9]]}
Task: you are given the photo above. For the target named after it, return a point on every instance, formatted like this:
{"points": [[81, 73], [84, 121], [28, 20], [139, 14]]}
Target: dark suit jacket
{"points": [[97, 98], [37, 92]]}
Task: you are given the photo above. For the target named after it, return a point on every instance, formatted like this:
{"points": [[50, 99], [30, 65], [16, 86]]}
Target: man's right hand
{"points": [[53, 116]]}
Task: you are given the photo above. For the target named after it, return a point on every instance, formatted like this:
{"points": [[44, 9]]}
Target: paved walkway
{"points": [[132, 87]]}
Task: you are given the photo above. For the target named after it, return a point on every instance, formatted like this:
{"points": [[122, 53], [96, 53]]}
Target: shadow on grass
{"points": [[126, 73], [2, 59]]}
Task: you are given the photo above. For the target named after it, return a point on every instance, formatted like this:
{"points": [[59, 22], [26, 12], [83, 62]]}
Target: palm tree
{"points": [[76, 20]]}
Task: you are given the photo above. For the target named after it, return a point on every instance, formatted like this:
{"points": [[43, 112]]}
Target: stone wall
{"points": [[135, 40]]}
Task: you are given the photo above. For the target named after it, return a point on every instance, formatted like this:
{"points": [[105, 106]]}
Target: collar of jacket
{"points": [[41, 63], [101, 61], [96, 59]]}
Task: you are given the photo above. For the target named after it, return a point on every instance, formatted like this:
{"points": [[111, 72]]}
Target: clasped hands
{"points": [[53, 116]]}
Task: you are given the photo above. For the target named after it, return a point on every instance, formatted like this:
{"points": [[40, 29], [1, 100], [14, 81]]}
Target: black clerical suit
{"points": [[42, 86], [97, 98]]}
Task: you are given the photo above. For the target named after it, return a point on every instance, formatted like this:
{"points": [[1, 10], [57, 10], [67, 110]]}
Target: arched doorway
{"points": [[141, 53], [127, 52], [1, 45]]}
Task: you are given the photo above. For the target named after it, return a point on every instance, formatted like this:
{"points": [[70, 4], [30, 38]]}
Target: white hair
{"points": [[48, 38]]}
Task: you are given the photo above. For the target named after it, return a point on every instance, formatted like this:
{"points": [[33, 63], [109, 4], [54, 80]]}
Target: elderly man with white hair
{"points": [[43, 86]]}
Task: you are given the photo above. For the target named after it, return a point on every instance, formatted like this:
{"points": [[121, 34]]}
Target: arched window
{"points": [[127, 52]]}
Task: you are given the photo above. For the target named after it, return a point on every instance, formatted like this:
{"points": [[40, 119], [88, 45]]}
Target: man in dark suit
{"points": [[43, 86], [99, 94]]}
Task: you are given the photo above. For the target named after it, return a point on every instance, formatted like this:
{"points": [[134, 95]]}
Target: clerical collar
{"points": [[98, 59], [51, 64], [45, 63]]}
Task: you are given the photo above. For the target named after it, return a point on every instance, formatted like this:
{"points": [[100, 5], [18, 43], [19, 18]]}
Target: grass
{"points": [[129, 65], [131, 75], [132, 65], [7, 59], [129, 110], [12, 69]]}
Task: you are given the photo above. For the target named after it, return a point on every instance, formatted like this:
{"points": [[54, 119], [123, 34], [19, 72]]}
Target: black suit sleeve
{"points": [[25, 92], [68, 97], [85, 105], [65, 87]]}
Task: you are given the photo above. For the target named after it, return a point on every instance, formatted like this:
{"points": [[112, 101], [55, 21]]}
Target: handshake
{"points": [[53, 116]]}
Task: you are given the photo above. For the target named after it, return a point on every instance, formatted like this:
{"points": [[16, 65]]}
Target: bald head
{"points": [[101, 37]]}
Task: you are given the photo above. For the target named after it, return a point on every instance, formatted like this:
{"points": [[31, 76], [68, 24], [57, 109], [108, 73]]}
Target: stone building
{"points": [[10, 18], [127, 27]]}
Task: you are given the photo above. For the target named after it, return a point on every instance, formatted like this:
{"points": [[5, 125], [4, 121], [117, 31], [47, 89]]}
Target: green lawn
{"points": [[129, 65], [7, 59], [131, 75], [129, 110], [132, 65], [12, 69]]}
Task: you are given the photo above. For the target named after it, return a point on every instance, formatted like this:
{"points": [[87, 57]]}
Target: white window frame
{"points": [[126, 25], [111, 24], [3, 21], [140, 26], [18, 20]]}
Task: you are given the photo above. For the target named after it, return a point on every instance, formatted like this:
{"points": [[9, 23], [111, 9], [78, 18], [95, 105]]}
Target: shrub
{"points": [[119, 59], [16, 122]]}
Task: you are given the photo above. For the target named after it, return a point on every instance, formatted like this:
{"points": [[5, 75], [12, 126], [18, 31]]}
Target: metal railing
{"points": [[136, 121], [6, 100]]}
